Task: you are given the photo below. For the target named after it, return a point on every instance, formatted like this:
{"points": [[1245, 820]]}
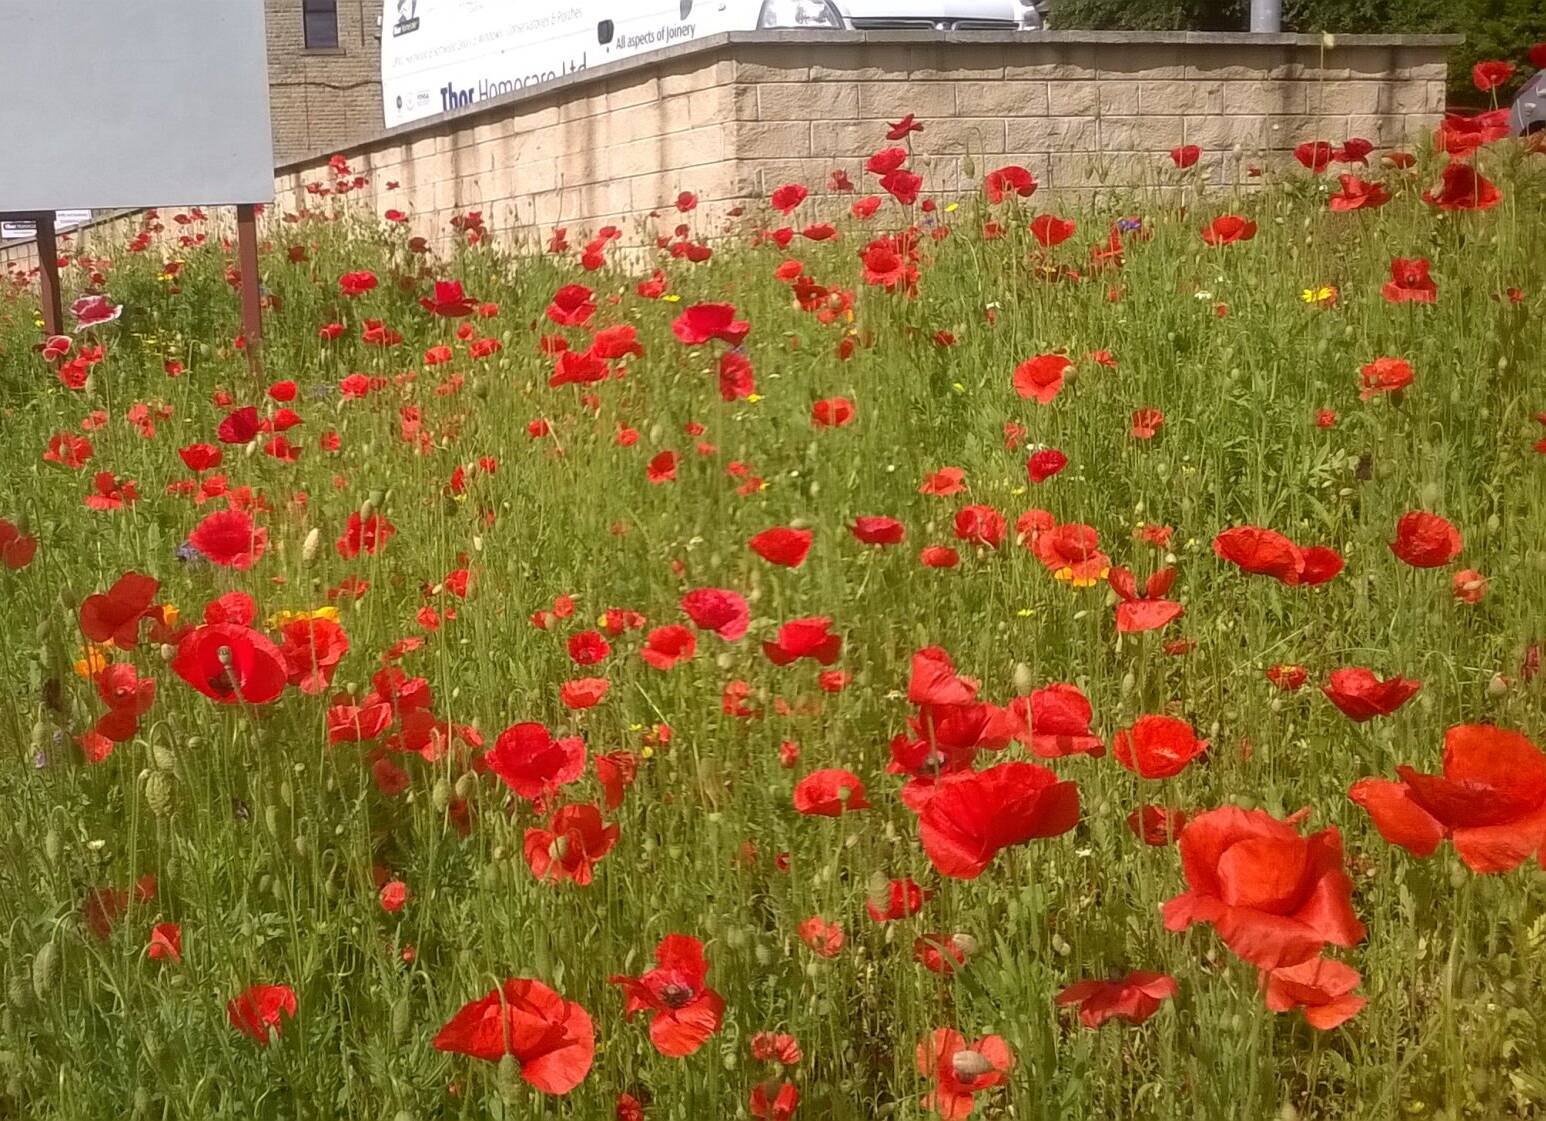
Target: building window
{"points": [[321, 24]]}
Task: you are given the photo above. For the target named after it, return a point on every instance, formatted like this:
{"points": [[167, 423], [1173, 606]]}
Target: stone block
{"points": [[890, 100], [955, 61], [1168, 96], [982, 136], [1260, 98], [775, 139], [1032, 61], [693, 75], [1216, 133], [808, 101], [1140, 134], [1051, 134], [1341, 97], [1118, 99], [867, 62], [1002, 98]]}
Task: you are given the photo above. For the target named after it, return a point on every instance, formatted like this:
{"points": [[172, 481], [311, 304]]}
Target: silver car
{"points": [[1529, 115]]}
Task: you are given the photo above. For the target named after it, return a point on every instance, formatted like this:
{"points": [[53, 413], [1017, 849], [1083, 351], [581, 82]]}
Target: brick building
{"points": [[324, 72]]}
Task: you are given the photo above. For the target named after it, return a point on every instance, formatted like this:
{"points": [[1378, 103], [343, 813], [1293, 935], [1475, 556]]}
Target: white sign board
{"points": [[441, 55], [26, 231], [133, 103]]}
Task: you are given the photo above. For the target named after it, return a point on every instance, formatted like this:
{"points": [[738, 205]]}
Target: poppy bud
{"points": [[466, 784], [1498, 686], [965, 943], [1060, 946], [17, 996], [51, 844], [402, 1019], [1129, 683], [764, 954], [159, 792], [1433, 494], [39, 735], [440, 795], [43, 968], [309, 549], [302, 846], [164, 758], [968, 166], [1024, 681], [969, 1065], [168, 652], [367, 509], [1493, 523]]}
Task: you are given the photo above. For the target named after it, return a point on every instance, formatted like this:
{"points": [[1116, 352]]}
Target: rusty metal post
{"points": [[48, 273], [252, 283]]}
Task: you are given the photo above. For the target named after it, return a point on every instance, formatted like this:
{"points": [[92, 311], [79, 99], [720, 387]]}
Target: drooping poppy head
{"points": [[969, 821], [830, 793], [1157, 746], [1321, 987], [782, 545], [1361, 695], [1133, 998], [261, 1011], [1462, 187], [1425, 540], [878, 530], [551, 1039]]}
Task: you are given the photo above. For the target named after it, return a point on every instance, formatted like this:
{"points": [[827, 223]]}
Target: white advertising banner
{"points": [[26, 231], [438, 56]]}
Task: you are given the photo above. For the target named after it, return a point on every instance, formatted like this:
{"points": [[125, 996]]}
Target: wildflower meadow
{"points": [[875, 654]]}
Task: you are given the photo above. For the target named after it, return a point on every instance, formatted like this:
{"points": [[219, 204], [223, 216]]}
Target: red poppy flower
{"points": [[17, 548], [833, 412], [1425, 540], [1050, 230], [1357, 194], [968, 821], [1469, 586], [1409, 282], [229, 539], [944, 482], [1227, 229], [1315, 155], [895, 899], [1321, 987], [1263, 552], [943, 953], [702, 322], [938, 556], [572, 306], [1146, 424], [1011, 180], [449, 300], [575, 839], [1149, 611], [1157, 825], [367, 535], [114, 616], [621, 340], [1071, 552], [1133, 998], [805, 638], [719, 610], [662, 468], [1489, 74], [551, 1039], [886, 161], [961, 1070], [782, 545], [1385, 375], [1276, 898], [1362, 696], [885, 267], [1041, 377], [357, 283], [68, 450], [1186, 155], [231, 664], [1044, 464], [1157, 746], [878, 530], [981, 525], [587, 648], [902, 185], [166, 943], [1288, 678], [665, 646], [774, 1100], [685, 1011], [823, 937], [830, 793], [901, 129], [1490, 802], [261, 1010], [532, 763], [789, 196], [312, 649], [1055, 722], [1463, 188]]}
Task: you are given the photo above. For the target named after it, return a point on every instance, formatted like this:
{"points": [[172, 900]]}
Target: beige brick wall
{"points": [[733, 118], [323, 98]]}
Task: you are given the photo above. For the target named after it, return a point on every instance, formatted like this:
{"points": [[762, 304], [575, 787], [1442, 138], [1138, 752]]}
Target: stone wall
{"points": [[732, 117], [323, 99]]}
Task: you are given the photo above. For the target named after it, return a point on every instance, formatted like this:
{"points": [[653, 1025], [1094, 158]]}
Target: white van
{"points": [[441, 55]]}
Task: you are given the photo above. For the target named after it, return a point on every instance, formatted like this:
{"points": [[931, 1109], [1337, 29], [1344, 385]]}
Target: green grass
{"points": [[264, 846]]}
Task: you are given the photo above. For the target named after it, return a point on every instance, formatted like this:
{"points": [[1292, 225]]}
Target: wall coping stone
{"points": [[814, 41]]}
